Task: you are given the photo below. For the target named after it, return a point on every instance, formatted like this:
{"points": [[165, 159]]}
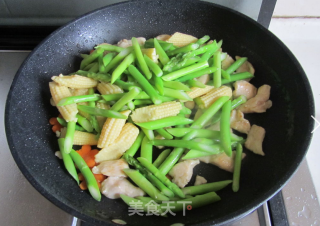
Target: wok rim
{"points": [[228, 218]]}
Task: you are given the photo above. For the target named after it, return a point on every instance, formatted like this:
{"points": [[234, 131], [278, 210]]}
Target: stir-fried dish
{"points": [[176, 97]]}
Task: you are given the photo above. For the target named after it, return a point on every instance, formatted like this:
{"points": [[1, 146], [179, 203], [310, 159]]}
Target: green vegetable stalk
{"points": [[187, 144], [233, 67], [236, 77], [165, 122], [163, 155], [183, 71], [146, 149], [67, 160], [78, 99], [153, 66], [172, 186], [68, 141], [125, 99], [88, 175], [195, 202], [142, 63], [136, 145], [101, 112], [176, 85], [145, 185], [146, 86], [116, 60], [225, 128], [204, 188], [163, 57], [93, 56], [128, 60], [164, 133]]}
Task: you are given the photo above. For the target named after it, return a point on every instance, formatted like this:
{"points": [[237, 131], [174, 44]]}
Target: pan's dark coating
{"points": [[288, 122]]}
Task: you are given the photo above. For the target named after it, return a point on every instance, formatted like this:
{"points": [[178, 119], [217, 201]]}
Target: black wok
{"points": [[288, 123]]}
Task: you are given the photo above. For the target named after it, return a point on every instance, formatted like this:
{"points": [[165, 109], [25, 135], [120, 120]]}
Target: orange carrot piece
{"points": [[83, 185], [99, 177], [53, 121], [86, 148], [81, 177], [90, 162], [88, 155], [56, 128]]}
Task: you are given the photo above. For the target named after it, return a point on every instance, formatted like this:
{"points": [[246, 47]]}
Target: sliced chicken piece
{"points": [[111, 168], [255, 139], [258, 104], [163, 37], [227, 62], [221, 160], [200, 180], [247, 66], [204, 78], [244, 88], [182, 172], [112, 187], [238, 122], [189, 104], [124, 43]]}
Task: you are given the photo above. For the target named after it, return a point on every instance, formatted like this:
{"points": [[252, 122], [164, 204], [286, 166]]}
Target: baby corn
{"points": [[154, 112], [197, 92], [84, 138], [79, 92], [214, 94], [58, 92], [124, 141], [111, 130], [180, 39], [107, 88], [75, 81], [151, 53]]}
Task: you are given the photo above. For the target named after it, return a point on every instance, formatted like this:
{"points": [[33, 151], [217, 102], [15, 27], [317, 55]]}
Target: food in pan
{"points": [[178, 93]]}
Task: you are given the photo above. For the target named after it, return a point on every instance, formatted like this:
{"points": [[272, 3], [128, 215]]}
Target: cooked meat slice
{"points": [[227, 62], [258, 104], [238, 122], [247, 66], [244, 88], [204, 78], [112, 187], [255, 139], [189, 104], [200, 180], [124, 43], [163, 37], [221, 160], [182, 172], [111, 168]]}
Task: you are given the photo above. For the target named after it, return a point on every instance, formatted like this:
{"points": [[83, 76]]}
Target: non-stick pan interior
{"points": [[287, 123]]}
